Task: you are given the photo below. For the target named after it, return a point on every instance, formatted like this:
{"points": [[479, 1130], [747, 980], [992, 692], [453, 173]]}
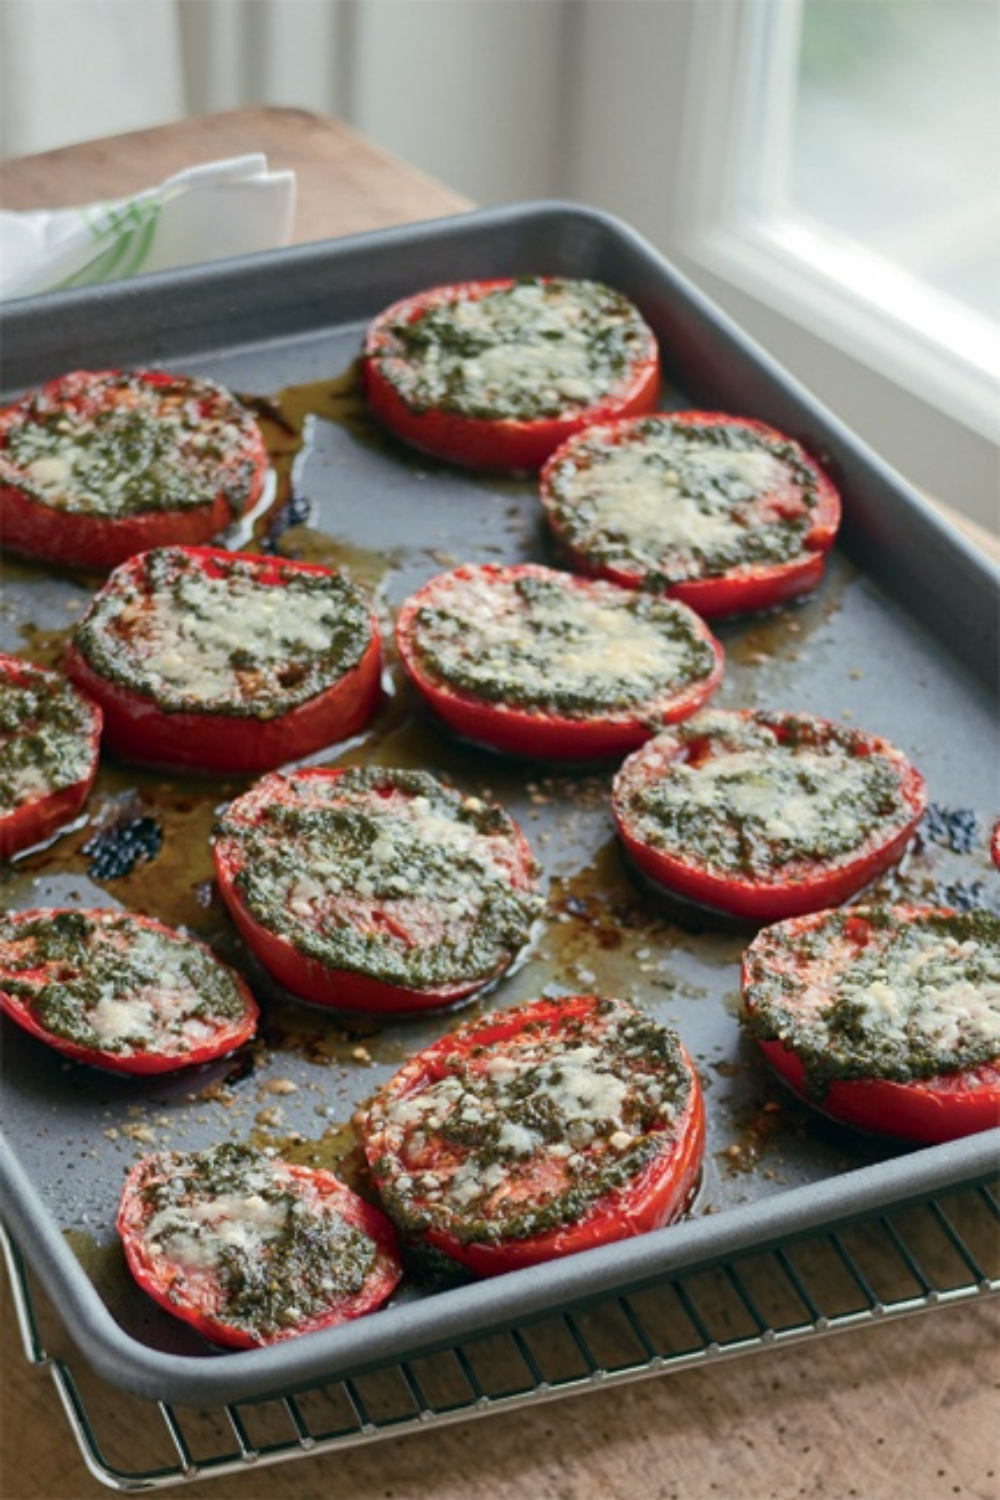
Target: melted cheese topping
{"points": [[926, 984], [202, 1234], [190, 636], [902, 994], [813, 803], [128, 446], [541, 640], [153, 997], [528, 350], [410, 883], [756, 803], [44, 738], [682, 501], [538, 1125], [227, 644], [246, 1241], [114, 985]]}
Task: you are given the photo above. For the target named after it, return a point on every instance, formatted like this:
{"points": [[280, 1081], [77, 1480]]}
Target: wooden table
{"points": [[902, 1409]]}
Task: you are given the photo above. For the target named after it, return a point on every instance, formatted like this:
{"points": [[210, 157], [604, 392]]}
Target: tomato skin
{"points": [[477, 442], [230, 1033], [310, 980], [652, 1199], [925, 1111], [40, 817], [191, 1298], [536, 733], [304, 975], [99, 543], [739, 590], [137, 729], [934, 1110], [807, 887]]}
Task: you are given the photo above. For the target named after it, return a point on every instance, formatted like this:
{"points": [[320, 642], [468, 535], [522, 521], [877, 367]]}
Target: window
{"points": [[831, 181]]}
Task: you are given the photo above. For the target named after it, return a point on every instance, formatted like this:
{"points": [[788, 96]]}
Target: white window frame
{"points": [[738, 226], [916, 375]]}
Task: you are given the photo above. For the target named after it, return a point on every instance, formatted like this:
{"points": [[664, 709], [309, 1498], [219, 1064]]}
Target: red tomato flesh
{"points": [[800, 976], [98, 465], [120, 991], [264, 702], [765, 815], [450, 423], [375, 890], [725, 513], [49, 748], [536, 1132], [555, 656], [275, 1251]]}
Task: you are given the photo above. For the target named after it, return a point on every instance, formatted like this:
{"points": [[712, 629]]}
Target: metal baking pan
{"points": [[900, 638]]}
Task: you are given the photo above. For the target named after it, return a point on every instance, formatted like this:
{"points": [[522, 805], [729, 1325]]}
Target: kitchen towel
{"points": [[207, 212]]}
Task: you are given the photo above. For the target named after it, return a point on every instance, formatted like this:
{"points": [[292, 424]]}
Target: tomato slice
{"points": [[496, 374], [120, 991], [374, 889], [49, 747], [250, 1250], [98, 465], [884, 1018], [765, 815], [534, 662], [722, 512], [536, 1132], [210, 660]]}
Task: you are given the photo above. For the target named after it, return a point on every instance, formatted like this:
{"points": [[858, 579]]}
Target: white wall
{"points": [[74, 69]]}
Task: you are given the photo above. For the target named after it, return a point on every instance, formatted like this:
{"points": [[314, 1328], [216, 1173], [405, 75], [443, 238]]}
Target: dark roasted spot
{"points": [[955, 828], [297, 511], [116, 851]]}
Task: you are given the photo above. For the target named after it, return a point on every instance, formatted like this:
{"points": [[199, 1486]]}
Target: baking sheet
{"points": [[900, 639]]}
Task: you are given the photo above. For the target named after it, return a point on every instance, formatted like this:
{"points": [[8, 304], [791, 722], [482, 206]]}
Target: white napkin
{"points": [[204, 213]]}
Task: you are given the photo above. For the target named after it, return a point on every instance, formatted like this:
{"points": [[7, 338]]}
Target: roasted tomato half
{"points": [[210, 660], [496, 374], [49, 746], [721, 512], [374, 889], [120, 991], [98, 465], [537, 1132], [250, 1250], [766, 815], [535, 662], [885, 1018]]}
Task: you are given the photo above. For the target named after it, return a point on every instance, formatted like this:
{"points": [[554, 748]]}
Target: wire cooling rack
{"points": [[928, 1255]]}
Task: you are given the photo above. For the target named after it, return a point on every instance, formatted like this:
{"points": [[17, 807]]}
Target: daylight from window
{"points": [[921, 78]]}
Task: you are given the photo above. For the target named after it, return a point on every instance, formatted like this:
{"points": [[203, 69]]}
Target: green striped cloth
{"points": [[207, 212]]}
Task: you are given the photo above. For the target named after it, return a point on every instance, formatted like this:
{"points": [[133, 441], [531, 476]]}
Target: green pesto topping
{"points": [[132, 447], [387, 874], [920, 997], [539, 641], [115, 985], [45, 738], [278, 1254], [518, 1137], [530, 350], [219, 639], [765, 793], [684, 502]]}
